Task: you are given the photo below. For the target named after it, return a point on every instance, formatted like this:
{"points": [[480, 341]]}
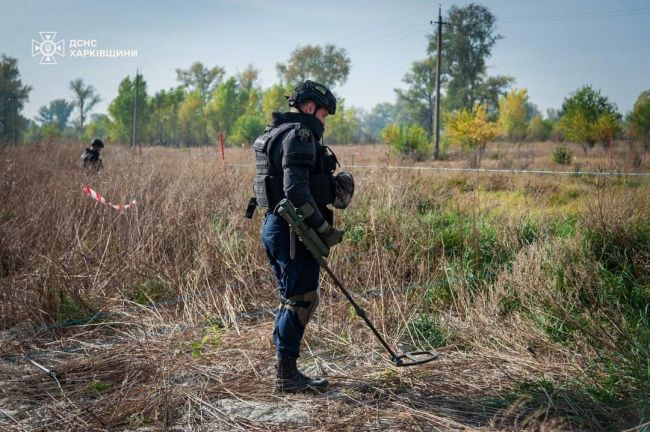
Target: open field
{"points": [[535, 289]]}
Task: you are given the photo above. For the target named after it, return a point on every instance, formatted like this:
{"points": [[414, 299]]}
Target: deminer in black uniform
{"points": [[90, 157], [292, 162]]}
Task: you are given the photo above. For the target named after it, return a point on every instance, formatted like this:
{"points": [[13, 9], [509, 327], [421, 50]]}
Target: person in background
{"points": [[90, 157]]}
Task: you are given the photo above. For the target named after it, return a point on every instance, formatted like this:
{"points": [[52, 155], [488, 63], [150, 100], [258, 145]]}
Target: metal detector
{"points": [[50, 372], [296, 220]]}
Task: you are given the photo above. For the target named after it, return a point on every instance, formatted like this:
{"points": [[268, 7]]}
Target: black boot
{"points": [[290, 379]]}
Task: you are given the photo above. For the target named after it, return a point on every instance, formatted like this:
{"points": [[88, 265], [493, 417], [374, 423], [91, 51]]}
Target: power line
{"points": [[369, 45], [571, 17], [399, 36], [380, 26]]}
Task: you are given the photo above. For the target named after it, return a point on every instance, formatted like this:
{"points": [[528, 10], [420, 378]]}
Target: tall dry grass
{"points": [[528, 285]]}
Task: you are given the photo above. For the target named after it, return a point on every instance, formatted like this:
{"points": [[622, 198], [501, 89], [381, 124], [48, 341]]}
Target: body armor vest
{"points": [[268, 185]]}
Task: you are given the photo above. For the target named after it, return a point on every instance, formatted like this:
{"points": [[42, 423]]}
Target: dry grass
{"points": [[434, 258]]}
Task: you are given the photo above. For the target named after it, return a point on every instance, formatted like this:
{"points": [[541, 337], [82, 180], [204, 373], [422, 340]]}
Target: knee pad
{"points": [[303, 305]]}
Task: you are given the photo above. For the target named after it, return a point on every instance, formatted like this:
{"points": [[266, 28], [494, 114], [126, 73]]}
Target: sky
{"points": [[550, 47]]}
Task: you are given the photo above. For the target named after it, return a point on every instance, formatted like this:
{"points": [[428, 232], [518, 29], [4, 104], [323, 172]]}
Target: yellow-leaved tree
{"points": [[273, 99], [471, 129], [607, 127], [191, 121], [513, 109]]}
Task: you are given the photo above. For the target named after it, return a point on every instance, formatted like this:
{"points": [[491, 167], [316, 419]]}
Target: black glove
{"points": [[330, 235]]}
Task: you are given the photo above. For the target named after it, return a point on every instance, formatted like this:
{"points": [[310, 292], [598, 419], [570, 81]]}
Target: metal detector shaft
{"points": [[51, 372], [412, 358], [357, 308]]}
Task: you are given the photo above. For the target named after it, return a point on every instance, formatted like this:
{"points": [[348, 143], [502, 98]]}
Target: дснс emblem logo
{"points": [[48, 48]]}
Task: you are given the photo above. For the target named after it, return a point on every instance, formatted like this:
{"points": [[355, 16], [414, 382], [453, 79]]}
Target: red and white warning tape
{"points": [[96, 196]]}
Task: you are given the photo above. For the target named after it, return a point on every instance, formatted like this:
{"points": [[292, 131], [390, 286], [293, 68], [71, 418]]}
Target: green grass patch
{"points": [[427, 331], [150, 292], [100, 386], [564, 197], [461, 183], [509, 303], [563, 226], [71, 311], [573, 402], [547, 320]]}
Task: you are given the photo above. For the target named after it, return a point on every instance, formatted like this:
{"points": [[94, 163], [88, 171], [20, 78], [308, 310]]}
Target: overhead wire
{"points": [[579, 16]]}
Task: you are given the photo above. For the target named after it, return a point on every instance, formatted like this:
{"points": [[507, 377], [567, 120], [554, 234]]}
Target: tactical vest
{"points": [[268, 185]]}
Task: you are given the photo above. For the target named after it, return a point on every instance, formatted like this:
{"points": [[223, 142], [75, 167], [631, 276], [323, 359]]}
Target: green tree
{"points": [[33, 132], [45, 132], [200, 78], [328, 65], [577, 128], [57, 112], [553, 119], [402, 113], [539, 129], [192, 121], [374, 121], [532, 110], [98, 127], [247, 128], [467, 44], [250, 93], [513, 110], [580, 113], [86, 98], [419, 98], [224, 108], [274, 100], [163, 120], [122, 108], [639, 119], [13, 95], [343, 128], [50, 131], [490, 90]]}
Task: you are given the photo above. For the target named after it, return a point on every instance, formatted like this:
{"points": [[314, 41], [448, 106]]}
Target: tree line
{"points": [[476, 106]]}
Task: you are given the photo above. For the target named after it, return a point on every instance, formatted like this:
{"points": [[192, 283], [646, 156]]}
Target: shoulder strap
{"points": [[263, 143], [271, 140], [275, 133]]}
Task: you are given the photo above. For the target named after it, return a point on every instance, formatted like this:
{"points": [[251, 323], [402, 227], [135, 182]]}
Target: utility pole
{"points": [[436, 153], [135, 108]]}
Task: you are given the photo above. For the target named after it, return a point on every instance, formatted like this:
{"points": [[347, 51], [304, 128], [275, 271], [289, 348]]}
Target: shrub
{"points": [[562, 155], [410, 140]]}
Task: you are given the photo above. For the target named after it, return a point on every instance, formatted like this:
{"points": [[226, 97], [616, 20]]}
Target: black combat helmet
{"points": [[310, 90], [97, 143]]}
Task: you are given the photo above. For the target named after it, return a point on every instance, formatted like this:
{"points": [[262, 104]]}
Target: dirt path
{"points": [[141, 376]]}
